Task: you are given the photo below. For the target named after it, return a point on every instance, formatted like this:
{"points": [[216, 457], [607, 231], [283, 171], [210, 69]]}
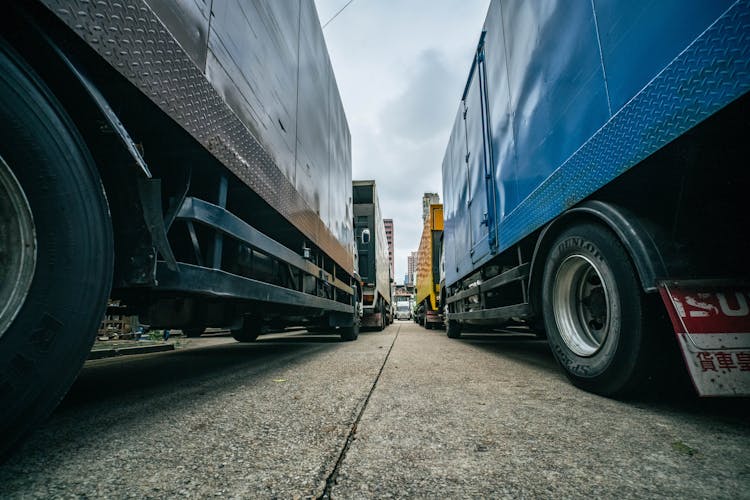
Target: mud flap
{"points": [[433, 317], [712, 323], [371, 320]]}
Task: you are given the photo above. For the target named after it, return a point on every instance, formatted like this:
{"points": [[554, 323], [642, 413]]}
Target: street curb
{"points": [[128, 351]]}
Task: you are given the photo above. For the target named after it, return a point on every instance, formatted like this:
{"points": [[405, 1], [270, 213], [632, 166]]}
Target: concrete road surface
{"points": [[401, 413]]}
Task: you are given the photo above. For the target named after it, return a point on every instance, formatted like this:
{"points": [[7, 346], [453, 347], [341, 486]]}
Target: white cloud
{"points": [[400, 68], [418, 113]]}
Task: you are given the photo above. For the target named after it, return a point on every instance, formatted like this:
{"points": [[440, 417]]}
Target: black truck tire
{"points": [[48, 336], [349, 333], [381, 326], [594, 312], [453, 329], [194, 332], [248, 332]]}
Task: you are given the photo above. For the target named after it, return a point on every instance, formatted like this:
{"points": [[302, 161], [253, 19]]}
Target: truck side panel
{"points": [[340, 210], [637, 33], [501, 124], [455, 197], [381, 254], [557, 89], [479, 198], [374, 265], [188, 22], [240, 60], [240, 104], [566, 113], [313, 177], [427, 281], [364, 214], [424, 266]]}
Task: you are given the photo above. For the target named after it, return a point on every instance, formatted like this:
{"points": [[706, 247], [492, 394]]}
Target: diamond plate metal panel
{"points": [[712, 72], [130, 37]]}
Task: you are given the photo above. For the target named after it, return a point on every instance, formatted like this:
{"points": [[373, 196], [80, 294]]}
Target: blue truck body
{"points": [[597, 165], [563, 97]]}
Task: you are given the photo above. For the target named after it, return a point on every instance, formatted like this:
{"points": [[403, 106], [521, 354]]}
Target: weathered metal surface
{"points": [[188, 22], [247, 88], [578, 93]]}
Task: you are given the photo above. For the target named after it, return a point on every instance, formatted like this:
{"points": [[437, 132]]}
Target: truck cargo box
{"points": [[563, 97], [429, 256], [253, 83], [372, 248], [598, 157], [189, 159]]}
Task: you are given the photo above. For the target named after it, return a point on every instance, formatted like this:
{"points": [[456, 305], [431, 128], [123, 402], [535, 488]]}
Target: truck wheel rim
{"points": [[581, 304], [17, 247]]}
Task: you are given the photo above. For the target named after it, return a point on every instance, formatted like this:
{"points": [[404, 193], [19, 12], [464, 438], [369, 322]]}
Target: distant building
{"points": [[402, 292], [411, 268], [389, 236], [427, 200]]}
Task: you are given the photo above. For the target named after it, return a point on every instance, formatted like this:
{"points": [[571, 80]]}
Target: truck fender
{"points": [[640, 239], [55, 60], [38, 46], [107, 112], [149, 189]]}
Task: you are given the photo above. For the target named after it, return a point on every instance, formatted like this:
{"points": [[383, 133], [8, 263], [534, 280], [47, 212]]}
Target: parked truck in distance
{"points": [[595, 182], [189, 159], [428, 311], [372, 250], [403, 307]]}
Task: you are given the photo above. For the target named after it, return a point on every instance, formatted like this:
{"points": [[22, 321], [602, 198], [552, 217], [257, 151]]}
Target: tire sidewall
{"points": [[45, 346], [453, 329], [383, 321], [607, 370], [349, 333]]}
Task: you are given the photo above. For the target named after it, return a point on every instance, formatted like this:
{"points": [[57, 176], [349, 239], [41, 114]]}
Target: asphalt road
{"points": [[401, 413]]}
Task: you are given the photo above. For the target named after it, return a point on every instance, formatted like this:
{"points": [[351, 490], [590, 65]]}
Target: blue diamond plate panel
{"points": [[712, 72]]}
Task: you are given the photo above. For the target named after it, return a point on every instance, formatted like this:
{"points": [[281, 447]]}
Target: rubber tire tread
{"points": [[453, 329], [193, 332], [248, 333], [381, 326], [44, 348], [619, 369], [350, 333]]}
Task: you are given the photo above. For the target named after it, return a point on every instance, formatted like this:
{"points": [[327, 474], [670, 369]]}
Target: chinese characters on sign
{"points": [[715, 361]]}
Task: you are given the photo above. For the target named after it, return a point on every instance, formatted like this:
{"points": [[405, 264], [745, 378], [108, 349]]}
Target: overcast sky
{"points": [[401, 66]]}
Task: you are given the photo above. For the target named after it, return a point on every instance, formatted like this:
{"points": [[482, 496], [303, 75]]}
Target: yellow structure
{"points": [[428, 258]]}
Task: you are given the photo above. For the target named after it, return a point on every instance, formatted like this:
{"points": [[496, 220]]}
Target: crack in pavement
{"points": [[331, 479]]}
